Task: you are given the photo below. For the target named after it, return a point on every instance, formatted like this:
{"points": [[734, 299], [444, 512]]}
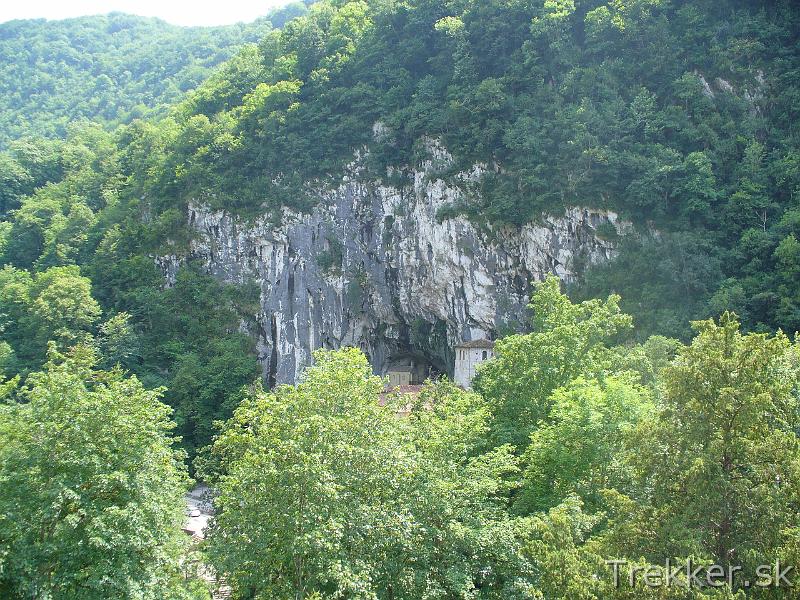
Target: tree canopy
{"points": [[125, 365], [111, 69], [91, 487]]}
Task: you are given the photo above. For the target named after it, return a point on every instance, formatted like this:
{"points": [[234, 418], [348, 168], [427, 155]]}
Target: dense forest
{"points": [[570, 452], [648, 412], [110, 69]]}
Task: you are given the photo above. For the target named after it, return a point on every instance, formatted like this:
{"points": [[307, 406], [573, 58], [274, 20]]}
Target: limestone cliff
{"points": [[371, 266]]}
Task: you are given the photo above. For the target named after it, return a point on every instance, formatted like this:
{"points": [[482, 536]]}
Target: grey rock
{"points": [[408, 285]]}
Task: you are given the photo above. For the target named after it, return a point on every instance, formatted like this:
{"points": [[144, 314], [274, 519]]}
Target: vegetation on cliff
{"points": [[588, 438], [679, 115]]}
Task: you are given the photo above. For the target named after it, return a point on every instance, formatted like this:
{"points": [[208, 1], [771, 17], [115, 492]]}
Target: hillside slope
{"points": [[109, 68], [395, 175], [680, 116]]}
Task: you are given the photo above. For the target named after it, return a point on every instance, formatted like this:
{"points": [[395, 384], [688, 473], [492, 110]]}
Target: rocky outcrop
{"points": [[372, 266], [753, 91]]}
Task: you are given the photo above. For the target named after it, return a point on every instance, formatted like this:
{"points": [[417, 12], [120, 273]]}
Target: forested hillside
{"points": [[681, 116], [109, 69], [648, 411]]}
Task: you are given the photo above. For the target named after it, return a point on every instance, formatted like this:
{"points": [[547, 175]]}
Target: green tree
{"points": [[722, 458], [90, 487], [14, 180], [118, 342], [696, 187], [787, 256], [581, 449], [323, 492], [61, 307], [15, 288], [7, 360], [300, 484], [26, 240], [207, 386], [647, 360], [66, 235], [568, 340]]}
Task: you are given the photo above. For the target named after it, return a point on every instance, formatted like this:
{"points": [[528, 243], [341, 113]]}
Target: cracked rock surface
{"points": [[373, 267]]}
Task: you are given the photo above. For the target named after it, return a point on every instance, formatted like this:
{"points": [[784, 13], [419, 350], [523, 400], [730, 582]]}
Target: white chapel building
{"points": [[468, 356]]}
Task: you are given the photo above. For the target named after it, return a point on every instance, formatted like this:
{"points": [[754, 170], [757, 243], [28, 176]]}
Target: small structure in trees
{"points": [[468, 356], [399, 375]]}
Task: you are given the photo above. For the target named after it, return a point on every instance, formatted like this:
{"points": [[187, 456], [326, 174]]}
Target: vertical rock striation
{"points": [[372, 266]]}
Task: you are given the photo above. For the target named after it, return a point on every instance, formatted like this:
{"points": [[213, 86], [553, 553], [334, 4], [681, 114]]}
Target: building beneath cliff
{"points": [[374, 266], [468, 356], [400, 375]]}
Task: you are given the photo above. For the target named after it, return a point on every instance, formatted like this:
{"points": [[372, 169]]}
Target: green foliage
{"points": [[280, 487], [14, 180], [118, 342], [567, 340], [53, 305], [787, 257], [206, 386], [580, 450], [189, 342], [91, 487], [86, 217], [111, 69], [185, 337], [61, 306], [324, 491], [665, 281], [647, 360], [697, 138], [578, 444], [15, 286], [7, 360], [729, 425]]}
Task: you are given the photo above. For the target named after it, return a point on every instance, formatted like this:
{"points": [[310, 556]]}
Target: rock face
{"points": [[373, 267]]}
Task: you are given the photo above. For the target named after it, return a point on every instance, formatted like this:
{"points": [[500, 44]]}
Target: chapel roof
{"points": [[482, 343]]}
